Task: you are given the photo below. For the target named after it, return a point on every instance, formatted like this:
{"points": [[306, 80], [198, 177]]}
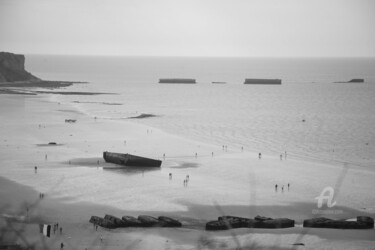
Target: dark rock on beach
{"points": [[363, 222], [148, 221], [115, 220], [169, 222], [229, 222], [130, 221], [102, 222]]}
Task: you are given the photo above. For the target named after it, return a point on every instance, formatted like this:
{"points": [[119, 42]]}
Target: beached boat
{"points": [[262, 81], [130, 160]]}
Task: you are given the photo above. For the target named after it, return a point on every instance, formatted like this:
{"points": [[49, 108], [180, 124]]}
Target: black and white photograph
{"points": [[187, 124]]}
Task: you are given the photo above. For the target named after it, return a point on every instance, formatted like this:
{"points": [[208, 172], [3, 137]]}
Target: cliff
{"points": [[12, 68]]}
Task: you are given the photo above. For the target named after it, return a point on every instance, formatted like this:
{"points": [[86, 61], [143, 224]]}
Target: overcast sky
{"points": [[270, 28]]}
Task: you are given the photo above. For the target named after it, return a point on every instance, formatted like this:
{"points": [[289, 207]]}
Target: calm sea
{"points": [[339, 118]]}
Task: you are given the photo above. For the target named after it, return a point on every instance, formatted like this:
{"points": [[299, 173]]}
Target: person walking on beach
{"points": [[276, 188], [282, 189], [96, 227], [36, 169], [62, 246], [45, 157], [170, 176], [260, 155], [281, 157], [288, 187], [60, 230]]}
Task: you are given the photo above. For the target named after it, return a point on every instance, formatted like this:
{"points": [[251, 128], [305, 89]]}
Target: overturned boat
{"points": [[130, 160]]}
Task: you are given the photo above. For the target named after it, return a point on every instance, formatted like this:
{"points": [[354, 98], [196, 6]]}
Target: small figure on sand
{"points": [[60, 230], [96, 227], [196, 155], [285, 155], [97, 162], [164, 156], [36, 169], [101, 238], [212, 154], [62, 246], [260, 155], [170, 176], [45, 157], [241, 149], [288, 186], [187, 178], [276, 188], [282, 189], [281, 157]]}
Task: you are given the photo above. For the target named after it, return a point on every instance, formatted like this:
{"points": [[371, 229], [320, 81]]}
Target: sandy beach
{"points": [[222, 182]]}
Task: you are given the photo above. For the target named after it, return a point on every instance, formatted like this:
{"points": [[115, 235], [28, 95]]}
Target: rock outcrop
{"points": [[229, 222], [363, 222], [12, 68]]}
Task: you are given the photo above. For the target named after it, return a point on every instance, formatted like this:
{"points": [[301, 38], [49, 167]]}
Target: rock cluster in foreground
{"points": [[229, 222], [363, 222], [111, 222]]}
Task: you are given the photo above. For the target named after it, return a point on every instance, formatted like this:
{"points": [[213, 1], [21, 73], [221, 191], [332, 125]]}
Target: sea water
{"points": [[310, 115]]}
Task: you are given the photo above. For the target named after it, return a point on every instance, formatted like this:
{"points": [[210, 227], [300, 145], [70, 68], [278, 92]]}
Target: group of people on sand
{"points": [[282, 188], [281, 156], [56, 228], [186, 180]]}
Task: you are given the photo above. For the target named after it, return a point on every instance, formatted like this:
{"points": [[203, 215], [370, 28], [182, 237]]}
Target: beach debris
{"points": [[70, 120], [52, 143], [362, 222], [229, 222], [130, 160]]}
